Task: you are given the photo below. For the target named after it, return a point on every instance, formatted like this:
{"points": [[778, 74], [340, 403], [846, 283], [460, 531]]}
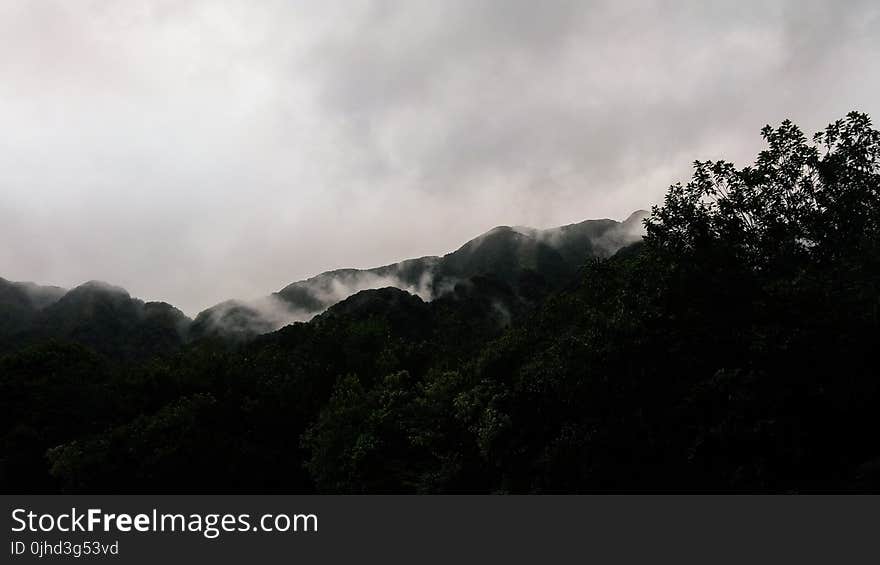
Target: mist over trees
{"points": [[732, 349]]}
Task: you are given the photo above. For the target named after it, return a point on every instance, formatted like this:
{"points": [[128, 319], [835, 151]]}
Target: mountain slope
{"points": [[528, 260], [515, 265], [103, 317], [503, 252], [21, 302]]}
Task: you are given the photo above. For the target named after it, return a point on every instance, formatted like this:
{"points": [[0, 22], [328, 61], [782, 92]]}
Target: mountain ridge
{"points": [[527, 260], [503, 252]]}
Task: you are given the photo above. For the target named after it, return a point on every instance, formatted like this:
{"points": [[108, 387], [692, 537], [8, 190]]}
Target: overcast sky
{"points": [[197, 151]]}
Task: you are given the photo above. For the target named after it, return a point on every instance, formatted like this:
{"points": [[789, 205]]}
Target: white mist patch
{"points": [[251, 317], [625, 233], [504, 315], [336, 289], [41, 296], [278, 313]]}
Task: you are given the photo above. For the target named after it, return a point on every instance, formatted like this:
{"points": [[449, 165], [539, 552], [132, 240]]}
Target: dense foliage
{"points": [[732, 349]]}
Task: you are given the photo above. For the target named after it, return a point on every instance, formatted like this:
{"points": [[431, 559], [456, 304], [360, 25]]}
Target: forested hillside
{"points": [[732, 349]]}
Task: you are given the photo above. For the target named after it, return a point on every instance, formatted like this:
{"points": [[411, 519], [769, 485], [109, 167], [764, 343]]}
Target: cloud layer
{"points": [[196, 151]]}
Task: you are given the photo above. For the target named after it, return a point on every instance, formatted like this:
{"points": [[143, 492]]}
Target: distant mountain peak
{"points": [[637, 216], [100, 286]]}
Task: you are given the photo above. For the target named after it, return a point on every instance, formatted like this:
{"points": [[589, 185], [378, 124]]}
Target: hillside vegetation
{"points": [[732, 349]]}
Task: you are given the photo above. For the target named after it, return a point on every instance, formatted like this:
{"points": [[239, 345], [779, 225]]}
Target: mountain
{"points": [[505, 253], [530, 261], [96, 314], [506, 268], [20, 303], [28, 294]]}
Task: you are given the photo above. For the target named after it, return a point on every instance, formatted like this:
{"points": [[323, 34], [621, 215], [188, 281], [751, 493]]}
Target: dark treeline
{"points": [[734, 348]]}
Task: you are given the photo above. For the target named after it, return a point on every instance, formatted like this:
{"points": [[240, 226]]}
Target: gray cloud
{"points": [[197, 151]]}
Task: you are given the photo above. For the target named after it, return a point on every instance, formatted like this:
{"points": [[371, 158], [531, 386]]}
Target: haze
{"points": [[197, 151]]}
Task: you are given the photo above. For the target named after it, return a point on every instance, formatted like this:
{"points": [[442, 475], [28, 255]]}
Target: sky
{"points": [[196, 151]]}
